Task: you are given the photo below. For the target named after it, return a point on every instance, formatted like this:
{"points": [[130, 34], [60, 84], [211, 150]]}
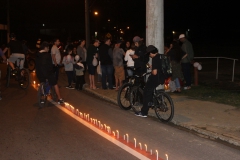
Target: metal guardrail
{"points": [[234, 62]]}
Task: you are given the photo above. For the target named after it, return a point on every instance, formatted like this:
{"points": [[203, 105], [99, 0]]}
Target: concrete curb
{"points": [[202, 132]]}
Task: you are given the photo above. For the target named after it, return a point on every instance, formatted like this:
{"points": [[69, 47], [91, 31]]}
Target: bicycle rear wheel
{"points": [[8, 75], [24, 78], [164, 107], [123, 96], [42, 99], [53, 94], [136, 98]]}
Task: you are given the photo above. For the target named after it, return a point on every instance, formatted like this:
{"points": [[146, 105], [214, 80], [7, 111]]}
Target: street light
{"points": [[96, 13], [109, 20], [128, 27]]}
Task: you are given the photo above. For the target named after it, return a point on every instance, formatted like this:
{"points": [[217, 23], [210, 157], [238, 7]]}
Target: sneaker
{"points": [[187, 87], [140, 114], [69, 87], [14, 72], [42, 101], [60, 101]]}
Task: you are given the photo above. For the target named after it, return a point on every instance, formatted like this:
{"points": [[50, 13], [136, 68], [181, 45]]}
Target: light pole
{"points": [[87, 23], [96, 32]]}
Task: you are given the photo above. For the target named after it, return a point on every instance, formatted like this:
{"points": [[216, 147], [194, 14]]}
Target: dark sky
{"points": [[205, 18]]}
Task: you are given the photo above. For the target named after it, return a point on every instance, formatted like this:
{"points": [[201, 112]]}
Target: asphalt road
{"points": [[29, 133]]}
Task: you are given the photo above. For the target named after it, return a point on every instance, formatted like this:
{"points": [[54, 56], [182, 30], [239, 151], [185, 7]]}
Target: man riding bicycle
{"points": [[16, 52], [45, 70], [153, 81]]}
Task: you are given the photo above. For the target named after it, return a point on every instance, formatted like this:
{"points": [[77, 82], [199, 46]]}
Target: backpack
{"points": [[166, 66]]}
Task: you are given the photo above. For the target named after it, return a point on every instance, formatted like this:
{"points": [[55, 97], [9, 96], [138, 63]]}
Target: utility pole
{"points": [[87, 23], [155, 24], [8, 24]]}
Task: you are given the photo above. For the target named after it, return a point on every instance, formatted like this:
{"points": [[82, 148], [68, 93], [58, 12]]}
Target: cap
{"points": [[181, 36], [137, 39], [151, 49]]}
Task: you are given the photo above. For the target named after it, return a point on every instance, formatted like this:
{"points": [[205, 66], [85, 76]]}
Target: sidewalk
{"points": [[208, 119]]}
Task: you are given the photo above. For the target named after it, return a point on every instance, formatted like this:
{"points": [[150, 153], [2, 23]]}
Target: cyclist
{"points": [[17, 52], [45, 70], [153, 81]]}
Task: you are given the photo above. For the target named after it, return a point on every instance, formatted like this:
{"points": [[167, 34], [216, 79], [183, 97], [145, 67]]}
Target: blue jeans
{"points": [[186, 68], [130, 72], [177, 83], [107, 74], [70, 77]]}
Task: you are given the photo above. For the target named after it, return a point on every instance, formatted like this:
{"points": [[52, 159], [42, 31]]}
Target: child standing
{"points": [[79, 68], [68, 62]]}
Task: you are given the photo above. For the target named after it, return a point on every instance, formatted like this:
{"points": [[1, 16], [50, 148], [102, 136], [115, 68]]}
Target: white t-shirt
{"points": [[56, 51], [128, 58]]}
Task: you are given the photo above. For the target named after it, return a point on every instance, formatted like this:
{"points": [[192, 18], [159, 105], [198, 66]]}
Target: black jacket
{"points": [[104, 56], [142, 60]]}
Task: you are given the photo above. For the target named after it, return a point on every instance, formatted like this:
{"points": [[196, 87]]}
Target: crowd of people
{"points": [[113, 61]]}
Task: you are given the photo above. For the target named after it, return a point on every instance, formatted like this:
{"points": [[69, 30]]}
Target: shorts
{"points": [[51, 79], [119, 72], [14, 57], [91, 69]]}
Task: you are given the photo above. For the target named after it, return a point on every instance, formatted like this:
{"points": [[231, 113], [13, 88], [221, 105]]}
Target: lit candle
{"points": [[84, 115], [157, 154], [34, 82], [99, 124], [166, 156], [140, 146], [88, 117], [127, 138], [77, 112], [91, 120], [124, 137], [38, 84], [113, 133], [151, 152], [105, 127], [146, 147], [117, 134], [135, 142]]}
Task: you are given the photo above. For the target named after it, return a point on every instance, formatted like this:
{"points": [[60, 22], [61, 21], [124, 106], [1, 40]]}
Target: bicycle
{"points": [[22, 75], [45, 90], [133, 93]]}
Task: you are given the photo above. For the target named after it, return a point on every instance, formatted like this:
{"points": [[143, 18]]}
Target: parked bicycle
{"points": [[22, 75], [130, 96], [44, 91]]}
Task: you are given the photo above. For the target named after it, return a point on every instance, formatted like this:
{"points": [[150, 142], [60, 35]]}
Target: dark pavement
{"points": [[29, 133]]}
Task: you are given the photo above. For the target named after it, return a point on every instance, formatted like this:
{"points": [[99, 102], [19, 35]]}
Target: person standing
{"points": [[153, 81], [176, 54], [187, 60], [82, 52], [118, 53], [129, 60], [79, 68], [68, 62], [56, 56], [140, 59], [105, 57], [92, 52]]}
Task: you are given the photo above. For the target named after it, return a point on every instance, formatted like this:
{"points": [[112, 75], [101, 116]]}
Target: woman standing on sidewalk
{"points": [[68, 62]]}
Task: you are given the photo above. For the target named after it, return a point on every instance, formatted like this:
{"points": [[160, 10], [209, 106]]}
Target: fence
{"points": [[234, 62]]}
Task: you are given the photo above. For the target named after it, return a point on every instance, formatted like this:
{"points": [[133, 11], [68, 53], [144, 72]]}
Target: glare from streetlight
{"points": [[173, 32], [96, 13], [128, 27], [109, 20]]}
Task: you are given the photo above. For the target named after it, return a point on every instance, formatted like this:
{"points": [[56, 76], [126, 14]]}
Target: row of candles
{"points": [[106, 128], [97, 123]]}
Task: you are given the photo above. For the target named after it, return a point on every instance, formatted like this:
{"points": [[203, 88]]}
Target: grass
{"points": [[214, 94]]}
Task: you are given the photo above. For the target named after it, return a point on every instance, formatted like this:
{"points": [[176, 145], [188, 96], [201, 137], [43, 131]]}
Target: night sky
{"points": [[207, 20]]}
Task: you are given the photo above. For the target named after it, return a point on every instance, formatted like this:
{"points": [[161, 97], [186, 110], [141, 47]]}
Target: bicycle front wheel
{"points": [[42, 99], [164, 107], [24, 78], [123, 96], [8, 75], [136, 98]]}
